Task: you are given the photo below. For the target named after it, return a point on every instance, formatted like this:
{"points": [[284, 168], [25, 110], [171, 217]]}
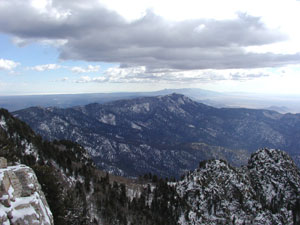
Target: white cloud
{"points": [[6, 64], [87, 79], [84, 79], [141, 75], [89, 69], [41, 68]]}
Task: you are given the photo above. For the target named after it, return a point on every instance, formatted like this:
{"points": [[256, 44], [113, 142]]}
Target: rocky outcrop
{"points": [[265, 192], [21, 198]]}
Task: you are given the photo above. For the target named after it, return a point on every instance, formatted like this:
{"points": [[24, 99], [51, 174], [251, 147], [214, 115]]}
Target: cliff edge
{"points": [[21, 198]]}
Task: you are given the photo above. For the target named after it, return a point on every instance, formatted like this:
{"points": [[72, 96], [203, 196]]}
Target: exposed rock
{"points": [[3, 162], [265, 192], [21, 198], [64, 170], [15, 183]]}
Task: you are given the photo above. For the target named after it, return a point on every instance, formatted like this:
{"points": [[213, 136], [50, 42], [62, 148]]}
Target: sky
{"points": [[97, 46]]}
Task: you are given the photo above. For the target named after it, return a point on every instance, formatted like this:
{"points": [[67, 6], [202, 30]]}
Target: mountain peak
{"points": [[180, 99], [265, 158], [265, 192], [175, 95], [276, 178]]}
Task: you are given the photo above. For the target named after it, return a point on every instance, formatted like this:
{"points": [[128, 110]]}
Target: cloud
{"points": [[64, 79], [41, 68], [90, 32], [75, 69], [6, 64], [141, 75], [87, 79], [247, 75], [89, 69]]}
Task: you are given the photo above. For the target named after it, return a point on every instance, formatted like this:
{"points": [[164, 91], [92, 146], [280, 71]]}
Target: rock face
{"points": [[21, 198], [267, 191]]}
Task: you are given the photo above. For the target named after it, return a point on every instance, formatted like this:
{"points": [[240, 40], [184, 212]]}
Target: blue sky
{"points": [[26, 79], [61, 46]]}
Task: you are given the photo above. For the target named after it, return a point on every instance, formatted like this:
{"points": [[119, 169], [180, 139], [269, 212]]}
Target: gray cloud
{"points": [[93, 33], [247, 76]]}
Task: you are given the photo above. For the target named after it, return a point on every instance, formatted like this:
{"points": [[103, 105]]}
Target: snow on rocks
{"points": [[21, 198], [265, 192], [108, 119], [138, 108], [3, 124]]}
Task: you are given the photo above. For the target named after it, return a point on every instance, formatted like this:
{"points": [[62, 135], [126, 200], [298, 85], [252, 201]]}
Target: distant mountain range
{"points": [[13, 103], [279, 103], [280, 109], [165, 135]]}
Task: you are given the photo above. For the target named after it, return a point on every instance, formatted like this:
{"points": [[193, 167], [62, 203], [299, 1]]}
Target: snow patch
{"points": [[44, 127], [108, 119], [137, 108], [135, 126], [3, 124], [32, 209], [124, 148]]}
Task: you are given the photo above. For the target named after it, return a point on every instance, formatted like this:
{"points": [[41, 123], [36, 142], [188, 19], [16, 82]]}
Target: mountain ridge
{"points": [[76, 191], [266, 191], [146, 128]]}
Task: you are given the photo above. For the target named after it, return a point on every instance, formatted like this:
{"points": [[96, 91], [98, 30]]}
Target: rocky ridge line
{"points": [[266, 191]]}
